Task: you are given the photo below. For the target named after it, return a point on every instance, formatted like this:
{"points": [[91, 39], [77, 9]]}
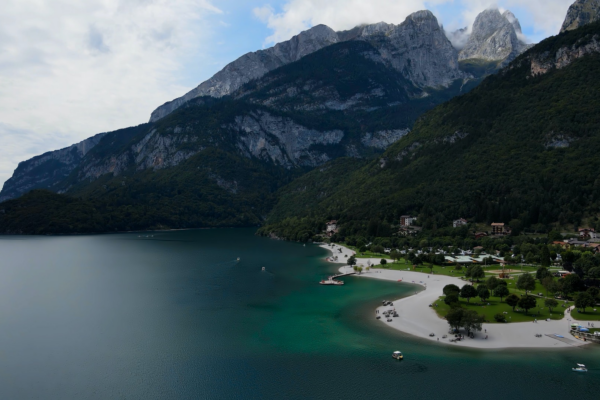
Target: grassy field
{"points": [[589, 315], [495, 306]]}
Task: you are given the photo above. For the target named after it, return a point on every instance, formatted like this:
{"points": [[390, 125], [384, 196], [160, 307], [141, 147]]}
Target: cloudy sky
{"points": [[70, 68]]}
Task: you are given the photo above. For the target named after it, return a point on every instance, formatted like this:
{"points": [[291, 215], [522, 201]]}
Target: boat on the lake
{"points": [[580, 368], [397, 355], [331, 281], [264, 269]]}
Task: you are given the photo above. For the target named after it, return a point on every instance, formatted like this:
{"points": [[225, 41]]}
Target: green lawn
{"points": [[589, 315], [496, 307]]}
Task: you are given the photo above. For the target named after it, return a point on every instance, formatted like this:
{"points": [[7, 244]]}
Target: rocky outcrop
{"points": [[382, 139], [580, 13], [48, 169], [494, 37], [254, 65], [282, 141], [542, 63]]}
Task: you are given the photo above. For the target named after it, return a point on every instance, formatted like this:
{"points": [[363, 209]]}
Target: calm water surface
{"points": [[175, 316]]}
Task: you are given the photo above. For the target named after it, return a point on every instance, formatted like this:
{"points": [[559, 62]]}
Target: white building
{"points": [[459, 222]]}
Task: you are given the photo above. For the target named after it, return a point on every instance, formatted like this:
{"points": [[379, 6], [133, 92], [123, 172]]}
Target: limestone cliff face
{"points": [[46, 170], [418, 48], [580, 13], [254, 65], [494, 37], [542, 63]]}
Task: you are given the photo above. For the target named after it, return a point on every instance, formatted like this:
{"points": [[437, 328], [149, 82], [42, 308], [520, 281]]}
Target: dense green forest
{"points": [[518, 149]]}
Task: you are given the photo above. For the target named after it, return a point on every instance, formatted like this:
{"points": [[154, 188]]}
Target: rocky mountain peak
{"points": [[510, 17], [580, 13], [494, 37]]}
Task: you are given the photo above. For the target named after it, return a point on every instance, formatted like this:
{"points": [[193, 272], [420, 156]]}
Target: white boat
{"points": [[580, 368], [238, 259], [331, 282], [397, 355], [264, 269]]}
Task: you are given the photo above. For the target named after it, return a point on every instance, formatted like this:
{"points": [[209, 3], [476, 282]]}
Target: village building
{"points": [[407, 220], [498, 228], [332, 228], [588, 233], [479, 235], [459, 222]]}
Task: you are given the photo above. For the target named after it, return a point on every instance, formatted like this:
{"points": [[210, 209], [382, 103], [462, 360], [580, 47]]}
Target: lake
{"points": [[174, 315]]}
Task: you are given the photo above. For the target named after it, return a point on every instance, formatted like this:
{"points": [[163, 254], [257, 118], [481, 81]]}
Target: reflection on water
{"points": [[174, 314]]}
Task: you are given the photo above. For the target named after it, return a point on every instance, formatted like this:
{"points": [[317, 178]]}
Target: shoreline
{"points": [[418, 319]]}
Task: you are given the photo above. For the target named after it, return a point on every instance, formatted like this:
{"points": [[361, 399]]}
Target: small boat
{"points": [[238, 259], [263, 269], [580, 368], [397, 355], [331, 282]]}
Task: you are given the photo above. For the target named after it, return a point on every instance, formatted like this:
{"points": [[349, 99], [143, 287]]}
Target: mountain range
{"points": [[236, 150]]}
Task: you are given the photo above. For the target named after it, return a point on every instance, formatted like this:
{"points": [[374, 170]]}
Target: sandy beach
{"points": [[418, 319]]}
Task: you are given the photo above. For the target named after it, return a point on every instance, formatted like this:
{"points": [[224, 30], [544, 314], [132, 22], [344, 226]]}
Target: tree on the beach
{"points": [[454, 317], [501, 291], [362, 249], [526, 283], [492, 283], [542, 273], [395, 255], [383, 261], [550, 303], [584, 300], [527, 303], [359, 269], [468, 292], [451, 299], [471, 321], [451, 288], [512, 300], [351, 261], [483, 292]]}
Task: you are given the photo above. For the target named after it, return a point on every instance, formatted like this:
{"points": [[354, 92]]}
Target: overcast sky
{"points": [[72, 68]]}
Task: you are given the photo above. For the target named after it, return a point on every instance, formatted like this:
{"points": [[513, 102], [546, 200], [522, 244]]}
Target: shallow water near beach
{"points": [[174, 315]]}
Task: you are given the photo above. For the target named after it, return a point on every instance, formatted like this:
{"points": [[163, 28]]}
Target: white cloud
{"points": [[71, 68], [543, 17]]}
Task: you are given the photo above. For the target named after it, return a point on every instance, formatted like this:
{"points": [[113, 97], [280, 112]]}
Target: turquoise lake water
{"points": [[175, 316]]}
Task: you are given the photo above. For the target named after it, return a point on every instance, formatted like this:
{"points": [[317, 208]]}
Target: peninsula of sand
{"points": [[417, 318]]}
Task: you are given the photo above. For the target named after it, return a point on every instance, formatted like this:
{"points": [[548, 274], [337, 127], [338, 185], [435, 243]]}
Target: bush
{"points": [[500, 317], [383, 261]]}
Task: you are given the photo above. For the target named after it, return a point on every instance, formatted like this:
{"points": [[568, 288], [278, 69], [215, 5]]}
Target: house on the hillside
{"points": [[479, 235], [498, 228], [587, 233], [332, 228], [459, 222], [407, 220]]}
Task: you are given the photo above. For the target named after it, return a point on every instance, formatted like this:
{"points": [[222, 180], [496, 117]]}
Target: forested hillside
{"points": [[522, 148]]}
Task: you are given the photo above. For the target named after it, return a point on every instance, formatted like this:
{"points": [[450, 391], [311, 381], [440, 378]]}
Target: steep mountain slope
{"points": [[218, 162], [521, 148], [417, 48], [580, 13], [254, 65]]}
